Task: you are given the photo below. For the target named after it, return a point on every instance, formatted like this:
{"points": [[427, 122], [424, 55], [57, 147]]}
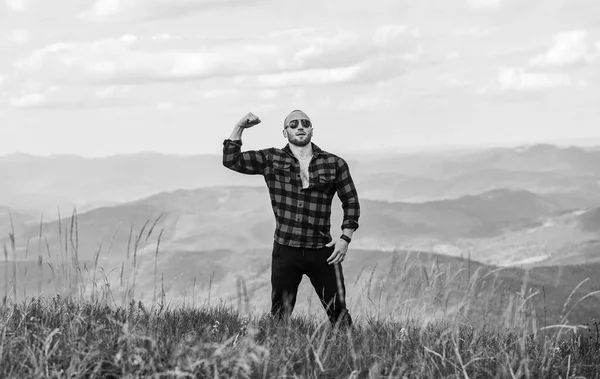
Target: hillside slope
{"points": [[241, 217]]}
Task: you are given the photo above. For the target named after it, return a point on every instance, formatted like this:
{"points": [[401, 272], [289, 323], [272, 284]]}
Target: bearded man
{"points": [[302, 180]]}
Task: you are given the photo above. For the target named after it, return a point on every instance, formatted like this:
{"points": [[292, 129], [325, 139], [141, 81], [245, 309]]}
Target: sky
{"points": [[103, 77]]}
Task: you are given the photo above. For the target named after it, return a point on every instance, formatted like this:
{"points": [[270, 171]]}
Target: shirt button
{"points": [[300, 204]]}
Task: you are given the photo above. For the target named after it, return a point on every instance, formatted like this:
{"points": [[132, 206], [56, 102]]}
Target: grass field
{"points": [[52, 338], [86, 330]]}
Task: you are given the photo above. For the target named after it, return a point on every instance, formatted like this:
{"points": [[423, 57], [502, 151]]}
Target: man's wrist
{"points": [[346, 238]]}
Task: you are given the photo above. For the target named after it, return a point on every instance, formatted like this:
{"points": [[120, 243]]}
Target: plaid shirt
{"points": [[302, 215]]}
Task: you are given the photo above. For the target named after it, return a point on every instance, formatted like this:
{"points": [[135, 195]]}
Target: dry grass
{"points": [[89, 329]]}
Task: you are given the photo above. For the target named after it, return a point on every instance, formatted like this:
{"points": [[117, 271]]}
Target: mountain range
{"points": [[524, 215], [36, 183]]}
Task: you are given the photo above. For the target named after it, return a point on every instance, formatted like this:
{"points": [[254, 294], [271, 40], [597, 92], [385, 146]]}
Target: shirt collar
{"points": [[316, 150]]}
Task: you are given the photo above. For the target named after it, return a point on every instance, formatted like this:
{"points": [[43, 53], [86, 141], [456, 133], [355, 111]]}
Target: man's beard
{"points": [[300, 142]]}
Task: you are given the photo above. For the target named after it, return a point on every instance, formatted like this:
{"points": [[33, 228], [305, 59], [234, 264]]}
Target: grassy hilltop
{"points": [[60, 338], [426, 316]]}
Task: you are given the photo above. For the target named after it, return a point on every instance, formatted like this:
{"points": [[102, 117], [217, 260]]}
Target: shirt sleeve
{"points": [[348, 195], [251, 162]]}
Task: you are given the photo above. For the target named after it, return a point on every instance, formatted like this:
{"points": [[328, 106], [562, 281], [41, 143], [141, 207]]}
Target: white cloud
{"points": [[313, 76], [17, 5], [309, 57], [18, 36], [129, 39], [102, 9], [128, 10], [387, 34], [28, 100], [521, 80], [33, 95], [570, 48], [112, 91], [37, 58]]}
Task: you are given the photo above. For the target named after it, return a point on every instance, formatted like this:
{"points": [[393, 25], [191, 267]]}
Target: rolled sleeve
{"points": [[250, 162]]}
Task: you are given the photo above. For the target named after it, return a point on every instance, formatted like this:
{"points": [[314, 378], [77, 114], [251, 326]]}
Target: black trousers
{"points": [[288, 266]]}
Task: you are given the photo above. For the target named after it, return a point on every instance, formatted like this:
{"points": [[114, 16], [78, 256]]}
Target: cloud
{"points": [[102, 9], [32, 94], [390, 34], [570, 48], [18, 36], [72, 101], [17, 5], [308, 57], [312, 76], [135, 10], [521, 80], [28, 100]]}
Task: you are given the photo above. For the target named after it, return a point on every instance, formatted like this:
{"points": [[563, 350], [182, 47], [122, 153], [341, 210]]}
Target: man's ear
{"points": [[284, 133]]}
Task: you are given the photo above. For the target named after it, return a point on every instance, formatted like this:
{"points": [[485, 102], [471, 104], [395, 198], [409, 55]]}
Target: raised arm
{"points": [[250, 162]]}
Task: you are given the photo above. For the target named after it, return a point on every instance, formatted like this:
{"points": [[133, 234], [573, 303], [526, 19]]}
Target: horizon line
{"points": [[566, 143]]}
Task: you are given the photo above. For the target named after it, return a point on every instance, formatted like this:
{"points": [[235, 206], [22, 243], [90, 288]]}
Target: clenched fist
{"points": [[248, 121]]}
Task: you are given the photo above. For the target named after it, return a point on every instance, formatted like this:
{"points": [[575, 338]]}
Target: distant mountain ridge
{"points": [[205, 218], [45, 183]]}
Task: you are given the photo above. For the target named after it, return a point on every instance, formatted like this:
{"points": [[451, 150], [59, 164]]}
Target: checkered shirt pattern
{"points": [[302, 215]]}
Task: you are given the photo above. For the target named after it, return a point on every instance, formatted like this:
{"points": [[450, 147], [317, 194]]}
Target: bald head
{"points": [[295, 115]]}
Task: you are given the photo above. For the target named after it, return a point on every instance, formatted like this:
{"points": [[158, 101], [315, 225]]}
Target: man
{"points": [[302, 180]]}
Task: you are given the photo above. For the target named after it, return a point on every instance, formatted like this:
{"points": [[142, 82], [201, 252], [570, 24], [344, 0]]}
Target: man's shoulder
{"points": [[332, 158]]}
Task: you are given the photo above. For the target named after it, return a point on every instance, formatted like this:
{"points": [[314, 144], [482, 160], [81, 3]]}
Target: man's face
{"points": [[298, 129]]}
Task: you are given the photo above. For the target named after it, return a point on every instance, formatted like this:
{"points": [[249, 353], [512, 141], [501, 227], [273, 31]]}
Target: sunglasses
{"points": [[294, 124]]}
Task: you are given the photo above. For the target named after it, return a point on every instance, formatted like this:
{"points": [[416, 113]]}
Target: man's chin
{"points": [[300, 143]]}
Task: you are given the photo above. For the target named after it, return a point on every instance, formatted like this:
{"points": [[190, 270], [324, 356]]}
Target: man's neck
{"points": [[301, 152]]}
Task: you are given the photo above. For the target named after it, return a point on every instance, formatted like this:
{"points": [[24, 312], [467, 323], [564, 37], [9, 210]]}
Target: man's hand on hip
{"points": [[339, 251]]}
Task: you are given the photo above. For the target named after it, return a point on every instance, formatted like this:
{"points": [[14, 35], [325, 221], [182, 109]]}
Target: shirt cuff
{"points": [[349, 224], [236, 142]]}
